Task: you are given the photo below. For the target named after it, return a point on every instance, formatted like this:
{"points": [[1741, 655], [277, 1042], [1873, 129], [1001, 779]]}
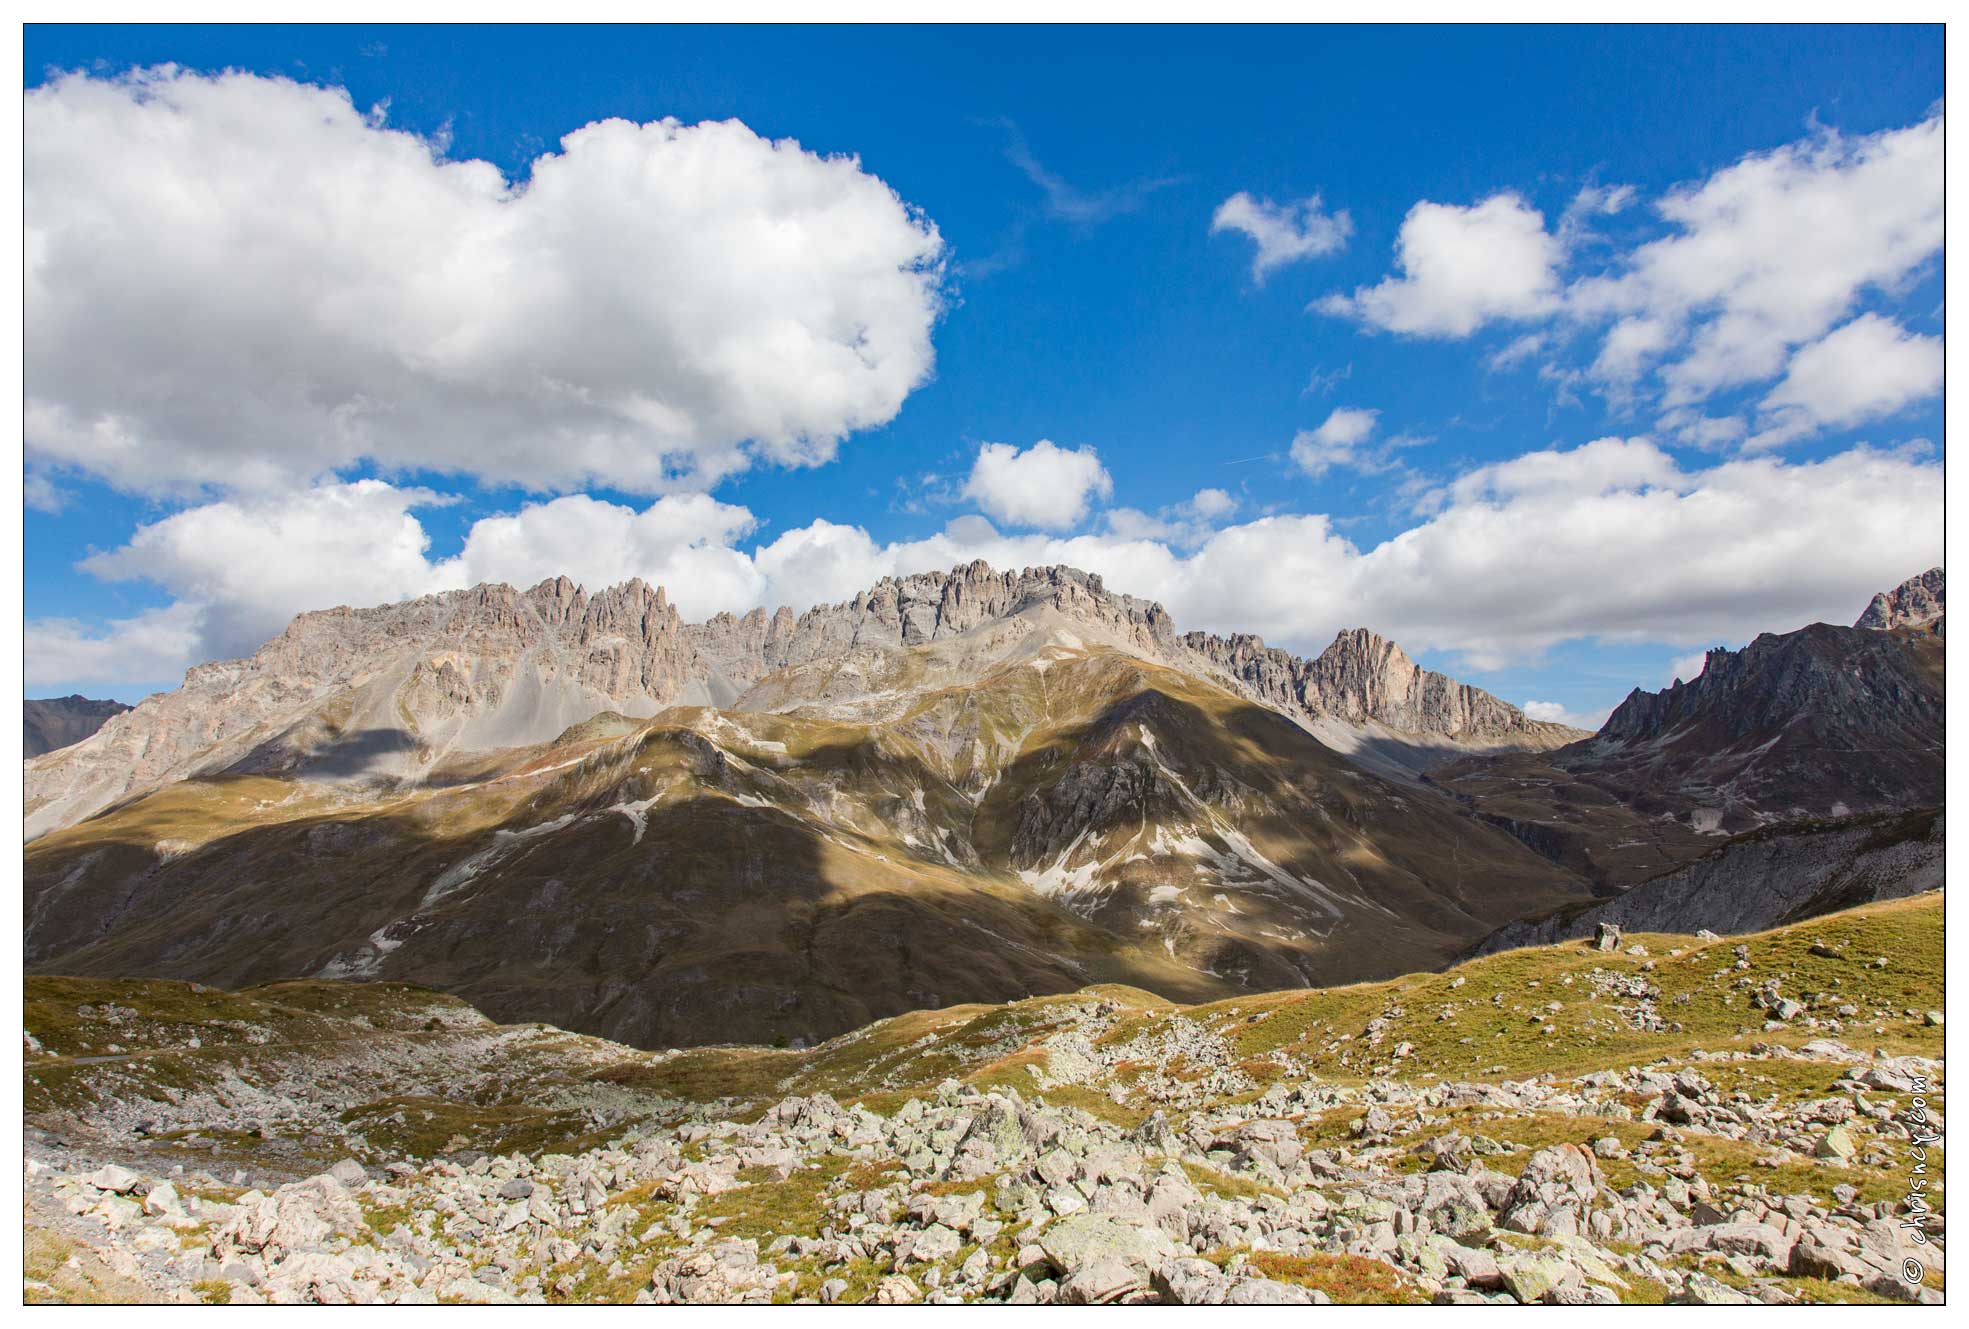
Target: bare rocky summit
{"points": [[1364, 696], [390, 692], [1915, 603]]}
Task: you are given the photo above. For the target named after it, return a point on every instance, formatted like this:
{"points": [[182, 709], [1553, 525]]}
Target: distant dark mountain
{"points": [[1818, 721], [1824, 722], [56, 722], [1762, 880]]}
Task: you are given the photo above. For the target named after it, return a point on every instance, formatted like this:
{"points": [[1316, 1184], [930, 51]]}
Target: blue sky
{"points": [[1083, 297]]}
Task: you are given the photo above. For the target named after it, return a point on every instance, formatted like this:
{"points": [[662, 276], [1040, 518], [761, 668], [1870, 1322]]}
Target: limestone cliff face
{"points": [[1364, 677], [897, 613], [385, 691], [390, 691], [1915, 603]]}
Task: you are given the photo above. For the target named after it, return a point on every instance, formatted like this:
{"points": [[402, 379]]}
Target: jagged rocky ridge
{"points": [[1822, 720], [1363, 686], [1915, 603], [56, 722], [391, 691]]}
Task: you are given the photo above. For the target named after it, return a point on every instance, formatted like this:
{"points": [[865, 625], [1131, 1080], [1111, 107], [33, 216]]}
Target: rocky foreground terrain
{"points": [[1629, 1119]]}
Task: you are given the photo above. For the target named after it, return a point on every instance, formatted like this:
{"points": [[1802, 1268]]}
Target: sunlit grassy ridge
{"points": [[1474, 1021], [1487, 1019]]}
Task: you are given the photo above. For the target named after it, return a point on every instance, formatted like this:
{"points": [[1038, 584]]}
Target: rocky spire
{"points": [[1915, 603]]}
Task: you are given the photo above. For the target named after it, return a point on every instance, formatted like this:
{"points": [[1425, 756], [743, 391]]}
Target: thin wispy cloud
{"points": [[1322, 381], [1065, 201]]}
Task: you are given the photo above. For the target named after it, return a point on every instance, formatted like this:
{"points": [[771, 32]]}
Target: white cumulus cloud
{"points": [[1687, 668], [1183, 524], [1867, 369], [1553, 712], [243, 566], [1337, 442], [242, 281], [1460, 268], [1765, 255], [1283, 232], [1610, 540], [151, 647], [251, 563], [1745, 266], [1045, 485]]}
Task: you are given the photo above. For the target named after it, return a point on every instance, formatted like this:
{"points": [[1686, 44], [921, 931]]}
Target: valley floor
{"points": [[1715, 1120]]}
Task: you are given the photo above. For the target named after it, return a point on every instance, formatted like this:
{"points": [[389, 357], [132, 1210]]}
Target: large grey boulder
{"points": [[1553, 1193], [1073, 1242]]}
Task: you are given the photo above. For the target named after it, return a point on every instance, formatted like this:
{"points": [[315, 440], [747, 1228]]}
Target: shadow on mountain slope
{"points": [[645, 883], [717, 923]]}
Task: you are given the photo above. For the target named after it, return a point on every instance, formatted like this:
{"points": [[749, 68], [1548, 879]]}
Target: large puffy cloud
{"points": [[1758, 259], [250, 564], [1462, 268], [1283, 232], [238, 281], [1769, 253], [1869, 368], [684, 542], [243, 566], [1554, 712], [1045, 485], [1609, 540]]}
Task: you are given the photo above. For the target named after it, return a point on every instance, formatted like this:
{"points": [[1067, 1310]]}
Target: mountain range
{"points": [[1822, 722], [394, 692], [964, 786], [57, 722]]}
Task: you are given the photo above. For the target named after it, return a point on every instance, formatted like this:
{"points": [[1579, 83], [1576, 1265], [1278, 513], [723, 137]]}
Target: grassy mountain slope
{"points": [[1073, 816]]}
